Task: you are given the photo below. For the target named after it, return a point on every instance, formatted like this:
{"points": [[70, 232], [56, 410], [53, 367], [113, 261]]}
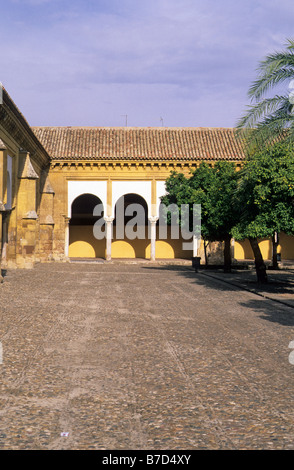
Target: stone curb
{"points": [[253, 291]]}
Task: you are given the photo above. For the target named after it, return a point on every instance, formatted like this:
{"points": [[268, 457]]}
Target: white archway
{"points": [[77, 188], [82, 241], [141, 188]]}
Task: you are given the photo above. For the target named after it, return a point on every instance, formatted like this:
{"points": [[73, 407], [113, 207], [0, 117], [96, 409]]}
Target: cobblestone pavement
{"points": [[128, 357], [280, 286]]}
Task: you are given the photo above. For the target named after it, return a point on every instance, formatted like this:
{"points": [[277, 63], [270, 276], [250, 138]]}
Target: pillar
{"points": [[66, 236], [109, 221], [152, 221], [233, 248], [196, 245]]}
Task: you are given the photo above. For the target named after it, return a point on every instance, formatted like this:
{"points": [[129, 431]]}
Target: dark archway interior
{"points": [[126, 201], [82, 210]]}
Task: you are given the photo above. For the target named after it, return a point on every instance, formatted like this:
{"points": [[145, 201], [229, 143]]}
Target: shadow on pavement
{"points": [[270, 298], [268, 312]]}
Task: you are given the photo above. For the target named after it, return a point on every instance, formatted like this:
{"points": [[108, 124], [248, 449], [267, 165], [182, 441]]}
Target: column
{"points": [[233, 248], [152, 221], [66, 235], [196, 245], [108, 221]]}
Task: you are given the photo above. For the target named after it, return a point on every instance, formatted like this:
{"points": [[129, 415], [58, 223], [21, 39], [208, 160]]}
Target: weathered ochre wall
{"points": [[23, 240], [286, 246]]}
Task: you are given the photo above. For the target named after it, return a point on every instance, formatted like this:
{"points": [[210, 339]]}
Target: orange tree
{"points": [[213, 188], [265, 197]]}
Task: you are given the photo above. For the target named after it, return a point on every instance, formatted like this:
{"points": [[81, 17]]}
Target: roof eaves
{"points": [[7, 100]]}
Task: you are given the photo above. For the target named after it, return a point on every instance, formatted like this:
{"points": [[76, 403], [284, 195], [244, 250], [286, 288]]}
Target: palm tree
{"points": [[271, 118]]}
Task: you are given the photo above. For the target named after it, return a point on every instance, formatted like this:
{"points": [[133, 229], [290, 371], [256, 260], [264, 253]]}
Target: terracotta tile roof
{"points": [[130, 143]]}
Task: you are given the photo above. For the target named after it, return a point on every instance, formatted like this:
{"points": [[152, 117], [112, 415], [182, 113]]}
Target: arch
{"points": [[82, 209], [78, 188], [127, 201], [243, 250], [142, 189], [130, 227], [82, 243]]}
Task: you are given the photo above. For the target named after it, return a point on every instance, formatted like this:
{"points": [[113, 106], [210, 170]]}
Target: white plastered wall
{"points": [[160, 191], [121, 188], [77, 188]]}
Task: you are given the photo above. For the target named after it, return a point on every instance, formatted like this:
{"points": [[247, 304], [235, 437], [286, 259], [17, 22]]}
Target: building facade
{"points": [[62, 190], [25, 210]]}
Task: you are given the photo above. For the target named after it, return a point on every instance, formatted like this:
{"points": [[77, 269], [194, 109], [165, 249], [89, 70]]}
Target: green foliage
{"points": [[254, 202], [265, 193], [213, 188]]}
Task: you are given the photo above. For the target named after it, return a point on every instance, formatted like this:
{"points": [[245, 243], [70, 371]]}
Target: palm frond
{"points": [[269, 119], [269, 80], [273, 70], [261, 110], [274, 125]]}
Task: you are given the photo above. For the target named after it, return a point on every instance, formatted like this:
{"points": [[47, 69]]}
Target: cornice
{"points": [[70, 165], [119, 165]]}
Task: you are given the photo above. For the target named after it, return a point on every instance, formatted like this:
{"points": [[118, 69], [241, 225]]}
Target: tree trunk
{"points": [[275, 242], [259, 263], [205, 252], [227, 254]]}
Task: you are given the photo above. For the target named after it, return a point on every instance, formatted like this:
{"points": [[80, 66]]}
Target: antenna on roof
{"points": [[126, 116], [161, 119]]}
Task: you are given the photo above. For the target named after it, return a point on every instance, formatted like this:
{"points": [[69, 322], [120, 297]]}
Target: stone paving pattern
{"points": [[129, 356]]}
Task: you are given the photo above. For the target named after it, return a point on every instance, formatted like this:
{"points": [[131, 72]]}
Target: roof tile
{"points": [[135, 143]]}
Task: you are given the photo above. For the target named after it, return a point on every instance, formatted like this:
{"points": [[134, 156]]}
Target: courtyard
{"points": [[143, 356]]}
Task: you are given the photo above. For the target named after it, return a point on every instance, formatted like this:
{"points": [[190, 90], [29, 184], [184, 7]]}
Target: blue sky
{"points": [[179, 63]]}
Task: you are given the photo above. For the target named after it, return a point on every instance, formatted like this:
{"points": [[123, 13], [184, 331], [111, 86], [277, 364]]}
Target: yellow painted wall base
{"points": [[83, 244], [243, 249]]}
